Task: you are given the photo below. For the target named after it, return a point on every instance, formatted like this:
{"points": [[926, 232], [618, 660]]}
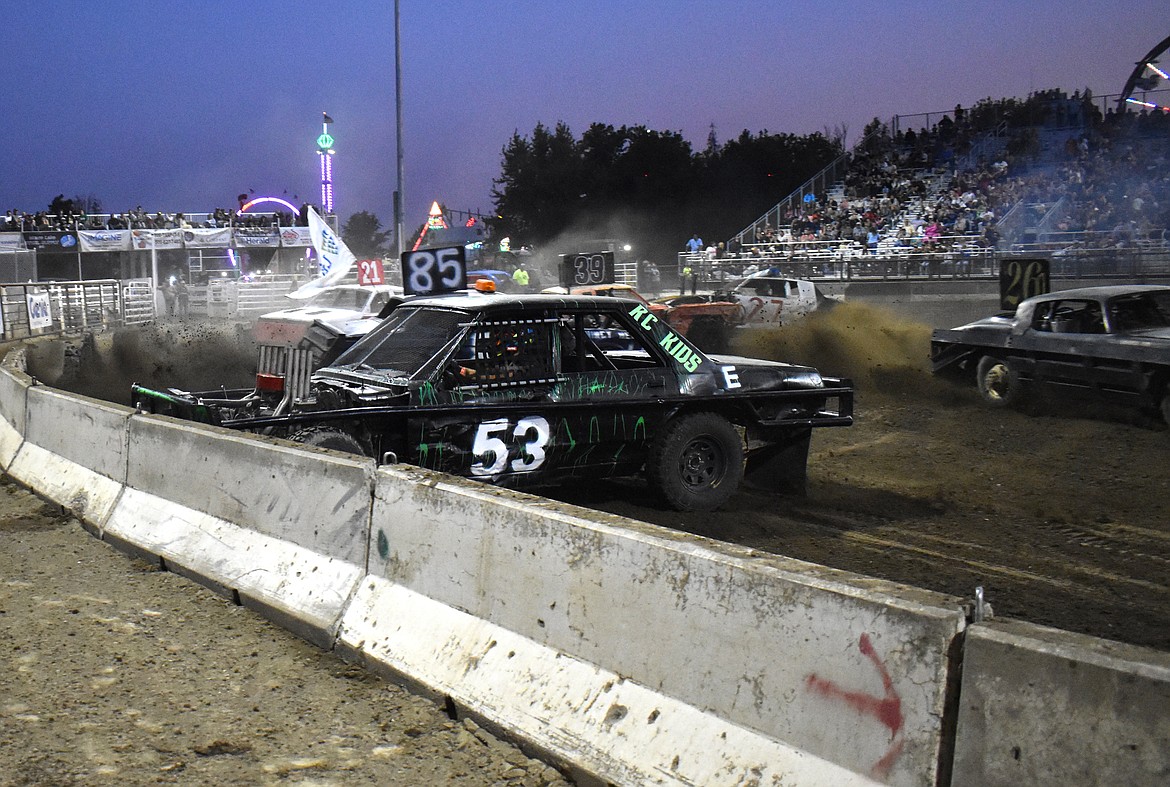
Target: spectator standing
{"points": [[695, 244], [183, 297], [169, 297], [520, 277]]}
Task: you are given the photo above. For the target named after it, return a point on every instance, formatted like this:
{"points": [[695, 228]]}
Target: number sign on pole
{"points": [[1020, 279], [586, 269], [370, 273], [434, 271]]}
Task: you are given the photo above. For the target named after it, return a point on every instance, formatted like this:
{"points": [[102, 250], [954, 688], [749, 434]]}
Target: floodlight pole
{"points": [[399, 197]]}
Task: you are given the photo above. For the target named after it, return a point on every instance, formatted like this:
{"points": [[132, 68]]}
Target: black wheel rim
{"points": [[701, 463]]}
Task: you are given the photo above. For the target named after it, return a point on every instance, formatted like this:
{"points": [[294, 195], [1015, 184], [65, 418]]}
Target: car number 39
{"points": [[531, 434]]}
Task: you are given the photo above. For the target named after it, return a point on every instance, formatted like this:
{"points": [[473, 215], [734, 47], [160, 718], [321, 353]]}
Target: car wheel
{"points": [[696, 464], [327, 437], [999, 383], [1165, 406]]}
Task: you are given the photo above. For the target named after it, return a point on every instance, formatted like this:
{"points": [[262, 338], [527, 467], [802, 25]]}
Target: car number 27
{"points": [[531, 434]]}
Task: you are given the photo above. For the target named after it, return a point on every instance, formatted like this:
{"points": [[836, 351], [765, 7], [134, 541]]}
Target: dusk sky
{"points": [[182, 106]]}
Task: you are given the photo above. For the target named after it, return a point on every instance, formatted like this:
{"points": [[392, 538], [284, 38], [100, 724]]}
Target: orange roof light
{"points": [[485, 285]]}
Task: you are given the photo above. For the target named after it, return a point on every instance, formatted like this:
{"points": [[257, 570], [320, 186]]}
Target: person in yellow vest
{"points": [[520, 277]]}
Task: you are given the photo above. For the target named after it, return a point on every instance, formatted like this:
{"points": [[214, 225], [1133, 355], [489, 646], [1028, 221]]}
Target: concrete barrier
{"points": [[1041, 706], [281, 529], [14, 385], [818, 665], [74, 451]]}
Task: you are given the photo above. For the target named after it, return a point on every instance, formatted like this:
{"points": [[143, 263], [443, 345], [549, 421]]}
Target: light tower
{"points": [[325, 152]]}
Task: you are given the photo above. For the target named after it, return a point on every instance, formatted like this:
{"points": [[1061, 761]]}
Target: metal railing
{"points": [[70, 307], [781, 214], [950, 257]]}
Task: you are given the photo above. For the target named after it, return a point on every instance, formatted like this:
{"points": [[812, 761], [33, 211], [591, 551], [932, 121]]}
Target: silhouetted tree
{"points": [[364, 235]]}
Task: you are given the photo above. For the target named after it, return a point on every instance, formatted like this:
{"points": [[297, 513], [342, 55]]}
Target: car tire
{"points": [[1165, 405], [999, 383], [328, 437], [697, 462]]}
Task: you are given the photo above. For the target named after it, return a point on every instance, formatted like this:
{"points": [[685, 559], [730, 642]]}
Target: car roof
{"points": [[1098, 293]]}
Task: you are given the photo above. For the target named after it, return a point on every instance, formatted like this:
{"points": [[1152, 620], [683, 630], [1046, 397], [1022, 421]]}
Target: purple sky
{"points": [[182, 106]]}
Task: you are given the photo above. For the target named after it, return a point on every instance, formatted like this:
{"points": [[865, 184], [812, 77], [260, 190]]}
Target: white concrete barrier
{"points": [[826, 670], [74, 451], [283, 529], [14, 385], [1042, 706]]}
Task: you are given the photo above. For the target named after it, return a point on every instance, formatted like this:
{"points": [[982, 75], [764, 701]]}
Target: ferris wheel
{"points": [[1149, 81]]}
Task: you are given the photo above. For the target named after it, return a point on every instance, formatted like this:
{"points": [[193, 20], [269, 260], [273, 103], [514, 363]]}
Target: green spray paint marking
{"points": [[383, 545], [594, 430], [569, 434], [640, 424], [427, 394]]}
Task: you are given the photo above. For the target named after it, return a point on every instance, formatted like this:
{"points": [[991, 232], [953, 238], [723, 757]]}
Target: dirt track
{"points": [[117, 673]]}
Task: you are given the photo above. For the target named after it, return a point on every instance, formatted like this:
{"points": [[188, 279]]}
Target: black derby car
{"points": [[520, 391], [1106, 344]]}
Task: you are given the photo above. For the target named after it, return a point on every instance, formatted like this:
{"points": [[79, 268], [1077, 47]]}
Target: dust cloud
{"points": [[187, 355], [880, 351]]}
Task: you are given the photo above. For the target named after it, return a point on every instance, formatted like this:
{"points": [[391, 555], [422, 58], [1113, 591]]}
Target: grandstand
{"points": [[1049, 176]]}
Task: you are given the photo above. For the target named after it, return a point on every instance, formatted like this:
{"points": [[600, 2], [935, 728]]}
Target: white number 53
{"points": [[531, 433]]}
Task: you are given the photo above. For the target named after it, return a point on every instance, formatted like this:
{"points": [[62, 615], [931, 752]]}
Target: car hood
{"points": [[1162, 334], [756, 374], [1002, 321], [279, 327]]}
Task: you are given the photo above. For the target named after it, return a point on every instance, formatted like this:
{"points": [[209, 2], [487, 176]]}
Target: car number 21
{"points": [[531, 434]]}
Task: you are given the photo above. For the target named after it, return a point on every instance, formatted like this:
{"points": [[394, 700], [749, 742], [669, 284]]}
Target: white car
{"points": [[771, 299], [325, 324]]}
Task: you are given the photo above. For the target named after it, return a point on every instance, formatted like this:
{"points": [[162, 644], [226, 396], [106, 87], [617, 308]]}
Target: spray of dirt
{"points": [[188, 355], [880, 351]]}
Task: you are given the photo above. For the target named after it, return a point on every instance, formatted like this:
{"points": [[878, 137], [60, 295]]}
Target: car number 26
{"points": [[531, 434]]}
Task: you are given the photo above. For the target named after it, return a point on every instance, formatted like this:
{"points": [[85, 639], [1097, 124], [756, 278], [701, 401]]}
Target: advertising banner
{"points": [[11, 241], [51, 242], [215, 238], [40, 312], [296, 236], [250, 237], [104, 240], [157, 239]]}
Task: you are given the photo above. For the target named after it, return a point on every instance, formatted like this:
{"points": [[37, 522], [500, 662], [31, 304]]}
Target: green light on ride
{"points": [[325, 141]]}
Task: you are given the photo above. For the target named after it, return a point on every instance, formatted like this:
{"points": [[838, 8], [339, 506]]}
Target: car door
{"points": [[1071, 349], [483, 415], [614, 387], [762, 300]]}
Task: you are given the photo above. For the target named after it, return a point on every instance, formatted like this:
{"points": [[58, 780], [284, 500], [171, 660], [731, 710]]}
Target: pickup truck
{"points": [[515, 391], [1106, 343]]}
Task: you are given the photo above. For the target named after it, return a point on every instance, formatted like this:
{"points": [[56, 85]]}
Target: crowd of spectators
{"points": [[1108, 182]]}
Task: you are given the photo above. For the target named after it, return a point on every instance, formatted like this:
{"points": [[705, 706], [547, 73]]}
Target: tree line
{"points": [[636, 183]]}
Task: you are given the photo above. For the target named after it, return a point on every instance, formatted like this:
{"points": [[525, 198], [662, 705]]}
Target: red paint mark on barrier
{"points": [[886, 709]]}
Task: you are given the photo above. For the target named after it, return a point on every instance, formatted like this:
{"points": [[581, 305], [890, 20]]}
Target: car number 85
{"points": [[531, 434]]}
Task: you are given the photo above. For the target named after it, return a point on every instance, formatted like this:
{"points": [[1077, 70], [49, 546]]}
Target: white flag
{"points": [[334, 259]]}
